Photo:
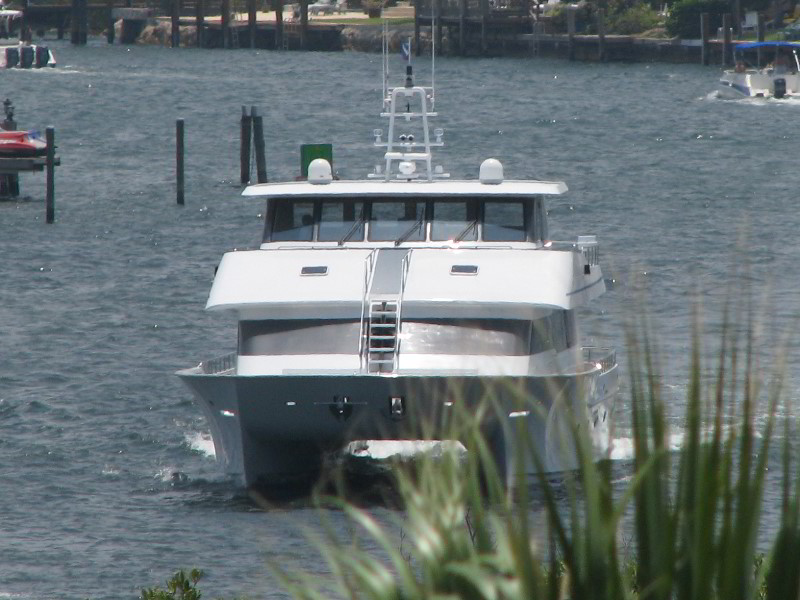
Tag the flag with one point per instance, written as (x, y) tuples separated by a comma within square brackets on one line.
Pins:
[(405, 50)]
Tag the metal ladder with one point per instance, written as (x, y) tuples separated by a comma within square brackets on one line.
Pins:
[(384, 322)]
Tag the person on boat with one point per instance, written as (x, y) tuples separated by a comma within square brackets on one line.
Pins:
[(740, 66)]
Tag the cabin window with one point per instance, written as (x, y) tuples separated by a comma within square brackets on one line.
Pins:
[(540, 232), (455, 221), (554, 332), (293, 222), (504, 221), (341, 222), (397, 221), (495, 337), (299, 336)]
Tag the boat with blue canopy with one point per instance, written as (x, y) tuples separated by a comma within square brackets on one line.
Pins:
[(762, 70)]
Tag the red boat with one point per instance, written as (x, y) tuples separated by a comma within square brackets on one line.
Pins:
[(21, 144)]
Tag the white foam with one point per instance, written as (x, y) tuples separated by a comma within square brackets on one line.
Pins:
[(404, 449), (622, 448), (201, 442)]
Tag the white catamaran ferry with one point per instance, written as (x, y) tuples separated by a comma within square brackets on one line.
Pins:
[(372, 306)]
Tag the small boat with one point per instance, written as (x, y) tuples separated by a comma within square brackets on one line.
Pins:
[(780, 78), (21, 144), (375, 308), (26, 56)]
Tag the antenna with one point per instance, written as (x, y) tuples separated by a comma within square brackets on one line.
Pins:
[(385, 51)]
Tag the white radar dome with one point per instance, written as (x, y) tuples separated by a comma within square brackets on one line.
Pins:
[(491, 171), (319, 171)]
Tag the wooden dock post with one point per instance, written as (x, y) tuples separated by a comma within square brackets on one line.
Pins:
[(175, 22), (278, 5), (258, 138), (226, 24), (760, 31), (571, 33), (727, 47), (417, 11), (179, 148), (80, 22), (737, 18), (303, 24), (462, 22), (484, 26), (110, 20), (251, 22), (244, 152), (704, 39), (200, 22), (50, 203), (601, 35)]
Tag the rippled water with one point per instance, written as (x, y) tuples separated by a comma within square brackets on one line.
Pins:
[(107, 482)]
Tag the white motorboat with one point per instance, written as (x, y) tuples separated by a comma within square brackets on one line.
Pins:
[(748, 79), (375, 307)]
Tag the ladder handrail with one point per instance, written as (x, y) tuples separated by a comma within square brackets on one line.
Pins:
[(369, 263)]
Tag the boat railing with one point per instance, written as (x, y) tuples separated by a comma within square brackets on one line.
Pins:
[(585, 244), (404, 277), (369, 263), (219, 365), (601, 358)]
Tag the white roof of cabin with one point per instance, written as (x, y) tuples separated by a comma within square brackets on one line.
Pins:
[(443, 187)]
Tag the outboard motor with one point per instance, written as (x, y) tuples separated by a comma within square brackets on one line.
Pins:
[(12, 57), (780, 88), (42, 56), (26, 56)]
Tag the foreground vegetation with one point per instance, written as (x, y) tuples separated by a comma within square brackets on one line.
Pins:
[(695, 512)]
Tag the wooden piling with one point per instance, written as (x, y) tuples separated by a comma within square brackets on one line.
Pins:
[(226, 24), (704, 49), (737, 18), (278, 5), (727, 52), (760, 32), (110, 20), (179, 149), (601, 35), (200, 22), (175, 22), (484, 26), (246, 141), (462, 23), (80, 22), (571, 33), (258, 138), (50, 202), (303, 24)]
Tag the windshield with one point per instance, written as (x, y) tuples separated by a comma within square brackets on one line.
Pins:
[(401, 221)]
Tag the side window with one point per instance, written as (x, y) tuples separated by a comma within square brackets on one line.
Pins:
[(293, 222), (392, 221), (503, 221), (341, 221), (540, 220), (454, 221)]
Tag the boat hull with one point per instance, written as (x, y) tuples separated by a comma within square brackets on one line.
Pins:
[(274, 429), (758, 84)]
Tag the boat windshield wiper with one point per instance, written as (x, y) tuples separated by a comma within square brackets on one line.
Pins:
[(358, 222), (417, 224), (460, 237)]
